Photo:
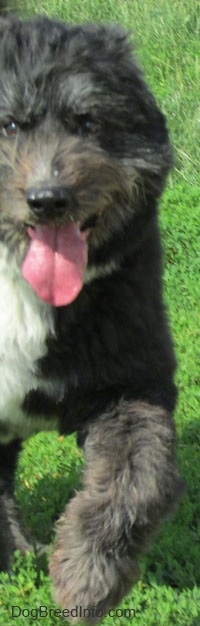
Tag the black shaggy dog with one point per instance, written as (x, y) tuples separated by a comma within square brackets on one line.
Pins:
[(85, 344)]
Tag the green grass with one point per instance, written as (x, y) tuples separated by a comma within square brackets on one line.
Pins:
[(167, 35)]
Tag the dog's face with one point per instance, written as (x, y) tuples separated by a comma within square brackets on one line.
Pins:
[(82, 141)]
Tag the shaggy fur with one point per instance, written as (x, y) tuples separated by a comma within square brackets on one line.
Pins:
[(79, 125)]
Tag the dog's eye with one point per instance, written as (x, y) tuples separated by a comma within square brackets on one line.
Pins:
[(9, 129), (86, 125)]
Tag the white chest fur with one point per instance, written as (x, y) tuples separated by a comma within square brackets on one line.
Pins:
[(25, 322)]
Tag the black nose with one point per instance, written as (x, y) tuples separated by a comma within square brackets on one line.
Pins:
[(48, 201)]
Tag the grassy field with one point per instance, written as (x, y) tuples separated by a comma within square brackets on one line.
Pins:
[(167, 40)]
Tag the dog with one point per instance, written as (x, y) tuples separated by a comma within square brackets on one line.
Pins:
[(85, 341)]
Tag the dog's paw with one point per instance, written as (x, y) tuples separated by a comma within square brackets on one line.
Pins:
[(88, 580)]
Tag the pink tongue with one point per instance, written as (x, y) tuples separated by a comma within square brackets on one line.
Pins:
[(56, 262)]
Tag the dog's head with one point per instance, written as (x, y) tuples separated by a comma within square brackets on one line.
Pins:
[(84, 148)]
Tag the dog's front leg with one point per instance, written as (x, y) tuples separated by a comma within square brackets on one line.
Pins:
[(130, 483)]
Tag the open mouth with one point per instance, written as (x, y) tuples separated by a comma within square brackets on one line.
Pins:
[(56, 260), (85, 226)]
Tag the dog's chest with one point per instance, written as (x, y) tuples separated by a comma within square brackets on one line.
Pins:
[(25, 323)]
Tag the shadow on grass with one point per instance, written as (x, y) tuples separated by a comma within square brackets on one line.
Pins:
[(43, 505)]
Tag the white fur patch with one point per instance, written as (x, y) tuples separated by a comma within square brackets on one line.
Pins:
[(94, 272), (25, 322)]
